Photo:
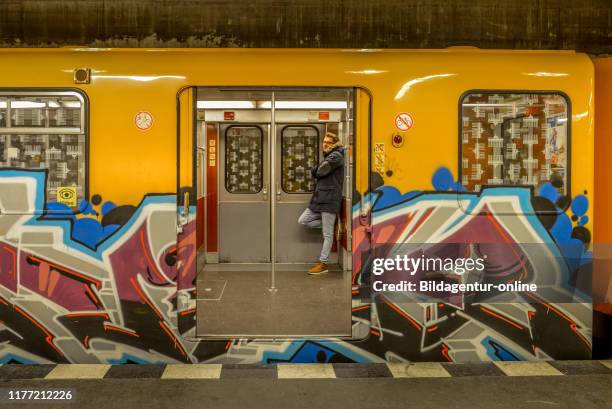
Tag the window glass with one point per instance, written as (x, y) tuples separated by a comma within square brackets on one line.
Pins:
[(243, 159), (514, 139), (46, 131), (299, 153), (62, 111), (3, 110)]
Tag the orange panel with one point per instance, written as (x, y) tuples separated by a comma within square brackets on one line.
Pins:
[(211, 191), (602, 278), (200, 222)]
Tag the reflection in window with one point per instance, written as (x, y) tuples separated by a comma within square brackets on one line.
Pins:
[(243, 159), (514, 139), (299, 152), (3, 112), (56, 143), (44, 111)]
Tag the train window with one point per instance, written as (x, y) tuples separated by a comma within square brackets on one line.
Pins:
[(243, 159), (3, 112), (46, 130), (299, 153), (511, 138)]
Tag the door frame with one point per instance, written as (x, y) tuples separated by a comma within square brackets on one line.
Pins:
[(186, 322)]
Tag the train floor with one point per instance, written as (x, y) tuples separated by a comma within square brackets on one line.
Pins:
[(237, 300)]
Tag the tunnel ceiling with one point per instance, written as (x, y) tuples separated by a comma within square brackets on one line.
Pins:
[(584, 25)]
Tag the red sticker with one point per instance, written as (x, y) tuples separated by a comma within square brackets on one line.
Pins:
[(403, 121), (228, 115)]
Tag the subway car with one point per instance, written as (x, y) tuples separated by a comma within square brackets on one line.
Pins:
[(149, 201)]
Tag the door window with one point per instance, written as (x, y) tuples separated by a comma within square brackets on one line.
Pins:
[(299, 153), (243, 159)]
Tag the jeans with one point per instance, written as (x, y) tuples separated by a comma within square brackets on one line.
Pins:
[(321, 220)]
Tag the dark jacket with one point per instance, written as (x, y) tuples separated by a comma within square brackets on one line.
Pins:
[(329, 174)]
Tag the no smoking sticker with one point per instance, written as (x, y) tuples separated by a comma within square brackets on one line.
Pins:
[(143, 120), (404, 121)]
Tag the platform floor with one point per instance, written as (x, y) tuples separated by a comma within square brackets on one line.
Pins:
[(236, 300), (511, 385)]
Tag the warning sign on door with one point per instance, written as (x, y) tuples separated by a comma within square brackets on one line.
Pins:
[(404, 121)]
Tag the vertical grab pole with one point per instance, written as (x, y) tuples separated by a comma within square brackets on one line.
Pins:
[(272, 161)]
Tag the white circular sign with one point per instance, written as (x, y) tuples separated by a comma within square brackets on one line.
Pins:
[(143, 120), (403, 121)]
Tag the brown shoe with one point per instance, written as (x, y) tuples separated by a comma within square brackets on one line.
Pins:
[(318, 268)]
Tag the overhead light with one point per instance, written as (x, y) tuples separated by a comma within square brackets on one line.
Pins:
[(226, 104), (306, 104), (71, 104), (27, 104), (310, 104), (2, 104), (268, 104)]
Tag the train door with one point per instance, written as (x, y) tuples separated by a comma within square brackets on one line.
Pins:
[(244, 202), (298, 149), (258, 146), (186, 215)]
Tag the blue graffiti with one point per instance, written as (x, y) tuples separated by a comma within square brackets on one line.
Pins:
[(499, 352), (12, 359), (56, 210), (107, 207), (85, 207), (391, 196), (580, 205), (442, 179), (86, 230), (548, 191)]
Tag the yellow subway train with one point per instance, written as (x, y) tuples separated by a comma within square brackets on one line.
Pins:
[(149, 205)]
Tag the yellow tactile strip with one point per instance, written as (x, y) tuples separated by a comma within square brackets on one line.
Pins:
[(305, 371)]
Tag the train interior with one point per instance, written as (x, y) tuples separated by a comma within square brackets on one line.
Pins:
[(255, 148)]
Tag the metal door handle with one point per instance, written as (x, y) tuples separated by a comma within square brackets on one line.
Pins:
[(278, 190), (186, 204), (362, 207), (265, 192)]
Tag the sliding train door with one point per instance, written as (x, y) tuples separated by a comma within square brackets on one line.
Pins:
[(298, 149), (244, 203), (186, 247)]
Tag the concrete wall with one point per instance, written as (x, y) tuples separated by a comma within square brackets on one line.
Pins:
[(584, 25)]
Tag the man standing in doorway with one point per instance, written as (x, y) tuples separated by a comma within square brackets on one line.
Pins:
[(327, 197)]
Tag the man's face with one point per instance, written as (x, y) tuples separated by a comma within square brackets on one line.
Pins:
[(327, 144)]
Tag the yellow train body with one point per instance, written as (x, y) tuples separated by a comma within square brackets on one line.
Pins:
[(127, 165), (426, 83)]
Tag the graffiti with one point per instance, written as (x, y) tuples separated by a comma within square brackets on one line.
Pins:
[(69, 298), (109, 283), (466, 330)]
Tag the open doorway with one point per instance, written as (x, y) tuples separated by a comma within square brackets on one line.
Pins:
[(255, 149)]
